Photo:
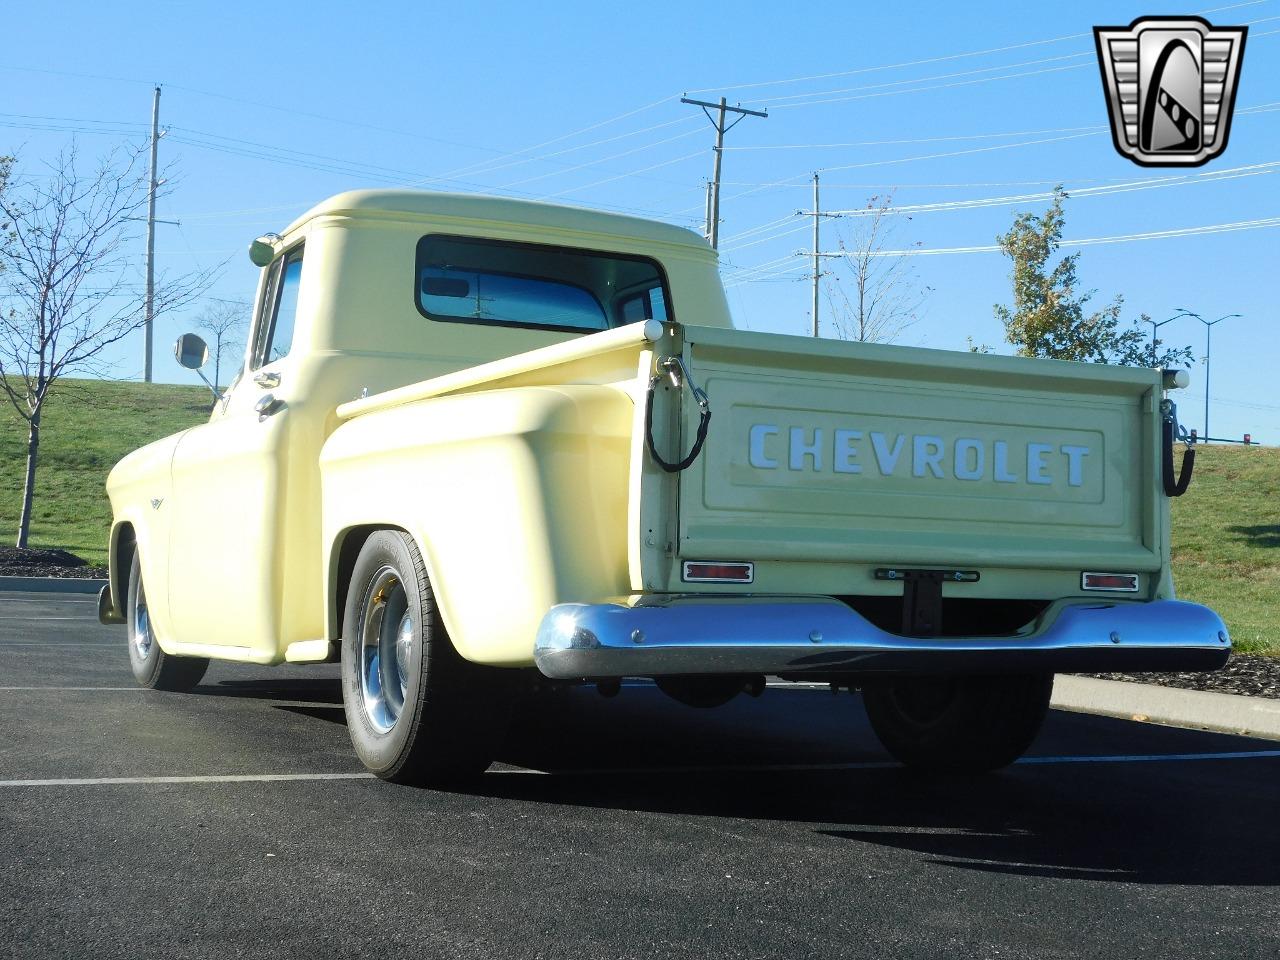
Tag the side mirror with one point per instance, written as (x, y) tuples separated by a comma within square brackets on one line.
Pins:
[(263, 250), (191, 351)]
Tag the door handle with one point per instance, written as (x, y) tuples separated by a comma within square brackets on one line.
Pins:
[(267, 379), (267, 405)]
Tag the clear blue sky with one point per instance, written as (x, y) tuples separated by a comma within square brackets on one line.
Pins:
[(272, 107)]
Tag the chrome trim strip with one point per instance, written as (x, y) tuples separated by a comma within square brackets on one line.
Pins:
[(685, 635)]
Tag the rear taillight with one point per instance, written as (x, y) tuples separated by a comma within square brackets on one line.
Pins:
[(718, 571), (1115, 582)]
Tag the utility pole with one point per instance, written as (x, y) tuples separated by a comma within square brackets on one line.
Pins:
[(816, 256), (707, 230), (817, 218), (718, 121), (149, 308)]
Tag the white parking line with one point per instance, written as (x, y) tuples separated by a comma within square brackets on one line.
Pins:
[(229, 778), (105, 644), (74, 688), (732, 768), (43, 600), (83, 619)]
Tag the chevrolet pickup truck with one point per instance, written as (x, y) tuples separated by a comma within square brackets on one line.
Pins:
[(479, 444)]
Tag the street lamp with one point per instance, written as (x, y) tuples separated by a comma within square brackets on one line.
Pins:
[(1157, 324), (1208, 335)]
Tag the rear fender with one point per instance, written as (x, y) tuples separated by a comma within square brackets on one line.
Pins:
[(518, 501)]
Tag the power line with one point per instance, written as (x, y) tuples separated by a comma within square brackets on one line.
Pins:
[(776, 102), (1257, 169), (936, 86), (902, 141), (939, 59), (634, 173), (592, 163), (1259, 224)]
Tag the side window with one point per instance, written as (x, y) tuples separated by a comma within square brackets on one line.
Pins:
[(280, 310), (645, 305)]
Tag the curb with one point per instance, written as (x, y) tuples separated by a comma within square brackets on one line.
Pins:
[(1171, 706), (51, 585)]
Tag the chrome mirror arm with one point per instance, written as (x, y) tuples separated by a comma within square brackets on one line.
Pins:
[(218, 395)]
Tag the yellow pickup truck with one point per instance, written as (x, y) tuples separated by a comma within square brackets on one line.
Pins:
[(480, 444)]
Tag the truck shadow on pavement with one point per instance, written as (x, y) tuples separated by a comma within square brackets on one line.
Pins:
[(1200, 822)]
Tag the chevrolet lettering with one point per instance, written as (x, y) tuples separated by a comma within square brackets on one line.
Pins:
[(915, 455), (480, 448)]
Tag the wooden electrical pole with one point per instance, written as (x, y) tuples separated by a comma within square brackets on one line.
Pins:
[(718, 121), (816, 256), (149, 306), (817, 271)]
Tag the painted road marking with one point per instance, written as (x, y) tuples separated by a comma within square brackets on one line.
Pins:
[(224, 778), (744, 768), (4, 600), (228, 778), (75, 688), (44, 618), (105, 644)]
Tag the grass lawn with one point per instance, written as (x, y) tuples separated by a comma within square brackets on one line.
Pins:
[(1226, 542), (1226, 530), (88, 426)]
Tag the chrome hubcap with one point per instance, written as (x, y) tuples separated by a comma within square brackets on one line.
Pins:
[(141, 625), (386, 649)]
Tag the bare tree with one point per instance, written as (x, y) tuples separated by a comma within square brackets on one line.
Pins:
[(874, 293), (225, 322), (69, 288)]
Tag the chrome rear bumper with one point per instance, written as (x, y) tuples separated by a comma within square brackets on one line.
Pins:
[(684, 635)]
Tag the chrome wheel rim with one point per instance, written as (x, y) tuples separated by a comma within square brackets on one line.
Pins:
[(386, 649), (141, 624)]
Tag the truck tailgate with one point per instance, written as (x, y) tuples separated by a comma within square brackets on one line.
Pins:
[(832, 451)]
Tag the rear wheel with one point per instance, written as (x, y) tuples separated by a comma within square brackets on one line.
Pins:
[(417, 712), (152, 667), (958, 724)]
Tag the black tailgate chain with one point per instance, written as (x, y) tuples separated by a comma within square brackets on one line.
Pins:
[(1174, 487), (674, 368)]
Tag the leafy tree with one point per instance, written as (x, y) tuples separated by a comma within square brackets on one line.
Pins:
[(1049, 316), (68, 289)]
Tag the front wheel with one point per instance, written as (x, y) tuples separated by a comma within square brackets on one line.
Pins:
[(152, 667), (958, 724), (418, 713)]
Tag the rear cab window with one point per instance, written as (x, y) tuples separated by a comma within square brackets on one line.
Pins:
[(502, 283)]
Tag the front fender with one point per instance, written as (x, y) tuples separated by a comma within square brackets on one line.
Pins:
[(139, 487)]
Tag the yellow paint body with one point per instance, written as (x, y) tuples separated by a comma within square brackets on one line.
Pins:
[(515, 457)]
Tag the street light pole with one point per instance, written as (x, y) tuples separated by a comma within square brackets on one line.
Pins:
[(1157, 324), (1208, 343)]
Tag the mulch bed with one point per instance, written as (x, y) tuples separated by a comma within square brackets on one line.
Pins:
[(1245, 674), (15, 562)]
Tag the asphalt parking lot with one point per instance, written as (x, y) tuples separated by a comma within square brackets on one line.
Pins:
[(236, 821)]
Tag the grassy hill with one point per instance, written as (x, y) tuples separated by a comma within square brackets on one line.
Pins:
[(1226, 530), (88, 426)]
